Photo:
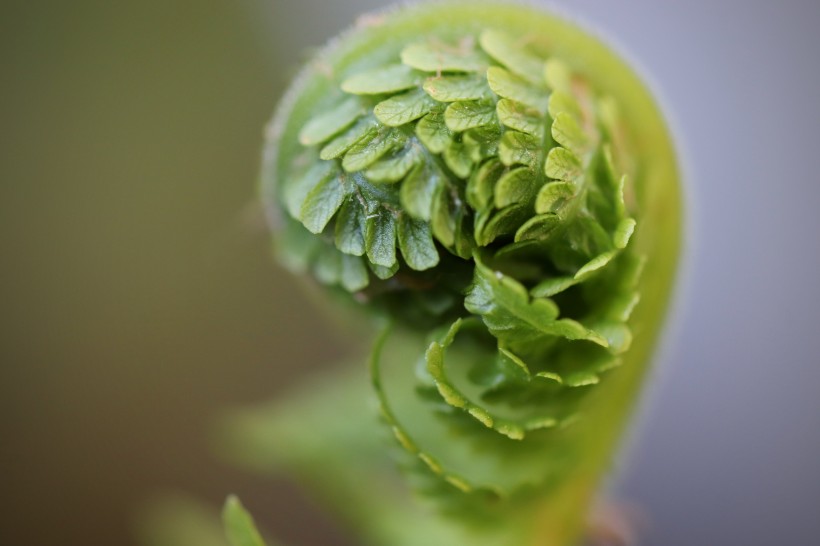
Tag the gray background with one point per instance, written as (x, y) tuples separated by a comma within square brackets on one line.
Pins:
[(138, 297)]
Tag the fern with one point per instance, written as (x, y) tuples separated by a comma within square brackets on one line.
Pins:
[(239, 525), (500, 191)]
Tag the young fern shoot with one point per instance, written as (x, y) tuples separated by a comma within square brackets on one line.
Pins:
[(500, 190)]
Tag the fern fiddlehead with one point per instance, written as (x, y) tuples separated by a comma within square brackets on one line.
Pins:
[(502, 188)]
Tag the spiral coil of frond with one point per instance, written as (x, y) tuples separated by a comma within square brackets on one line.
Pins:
[(475, 187)]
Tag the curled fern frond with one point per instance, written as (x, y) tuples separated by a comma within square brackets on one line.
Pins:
[(500, 187)]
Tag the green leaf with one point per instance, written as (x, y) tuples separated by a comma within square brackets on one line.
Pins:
[(481, 142), (585, 238), (508, 85), (443, 217), (538, 227), (465, 244), (562, 164), (239, 525), (367, 150), (504, 222), (350, 227), (383, 272), (513, 317), (516, 186), (553, 196), (463, 452), (380, 237), (568, 133), (620, 205), (455, 365), (595, 265), (296, 189), (322, 203), (404, 108), (395, 167), (479, 190), (580, 365), (417, 191), (460, 116), (505, 307), (353, 273), (558, 76), (513, 251), (553, 285), (458, 159), (457, 88), (563, 102), (509, 51), (511, 369), (364, 129), (617, 334), (386, 79), (448, 222), (327, 124), (438, 56), (432, 131), (520, 117), (518, 148), (623, 233), (327, 267), (416, 243)]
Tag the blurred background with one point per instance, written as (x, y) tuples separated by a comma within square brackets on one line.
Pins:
[(139, 298)]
